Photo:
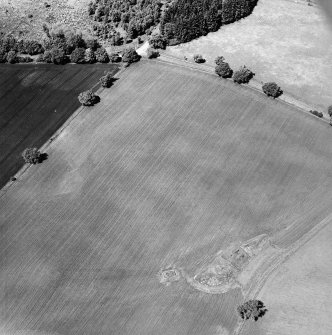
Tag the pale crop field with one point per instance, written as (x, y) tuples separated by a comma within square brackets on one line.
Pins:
[(298, 295), (284, 41), (170, 167)]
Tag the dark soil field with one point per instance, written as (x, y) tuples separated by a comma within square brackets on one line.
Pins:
[(171, 166), (35, 100)]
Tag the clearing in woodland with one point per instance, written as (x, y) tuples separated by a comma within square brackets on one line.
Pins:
[(141, 192)]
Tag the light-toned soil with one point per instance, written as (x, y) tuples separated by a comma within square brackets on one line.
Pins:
[(170, 167), (282, 41), (298, 295)]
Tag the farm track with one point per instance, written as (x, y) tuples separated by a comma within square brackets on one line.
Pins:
[(253, 84), (271, 265), (159, 178)]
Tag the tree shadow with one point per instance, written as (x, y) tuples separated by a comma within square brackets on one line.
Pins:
[(114, 80), (43, 157), (280, 92), (261, 313), (261, 310), (111, 83), (96, 99)]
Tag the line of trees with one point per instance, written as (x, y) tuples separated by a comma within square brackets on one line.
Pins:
[(58, 47), (244, 75)]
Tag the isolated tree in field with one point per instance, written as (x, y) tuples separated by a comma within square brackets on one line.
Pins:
[(272, 90), (130, 56), (87, 98), (12, 57), (107, 80), (224, 70), (152, 53), (89, 56), (158, 42), (78, 56), (32, 155), (102, 55), (252, 309), (199, 59), (243, 75), (219, 60)]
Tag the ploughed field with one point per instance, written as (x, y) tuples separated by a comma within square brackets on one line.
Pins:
[(169, 168), (35, 100)]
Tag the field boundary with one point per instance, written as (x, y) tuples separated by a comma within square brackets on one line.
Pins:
[(73, 116), (279, 260), (253, 84)]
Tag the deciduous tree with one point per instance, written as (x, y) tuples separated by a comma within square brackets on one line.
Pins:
[(272, 90), (252, 309)]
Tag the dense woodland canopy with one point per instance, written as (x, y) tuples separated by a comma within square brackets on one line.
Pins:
[(181, 20), (134, 16), (188, 19)]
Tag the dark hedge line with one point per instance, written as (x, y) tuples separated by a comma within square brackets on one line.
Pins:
[(186, 20)]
